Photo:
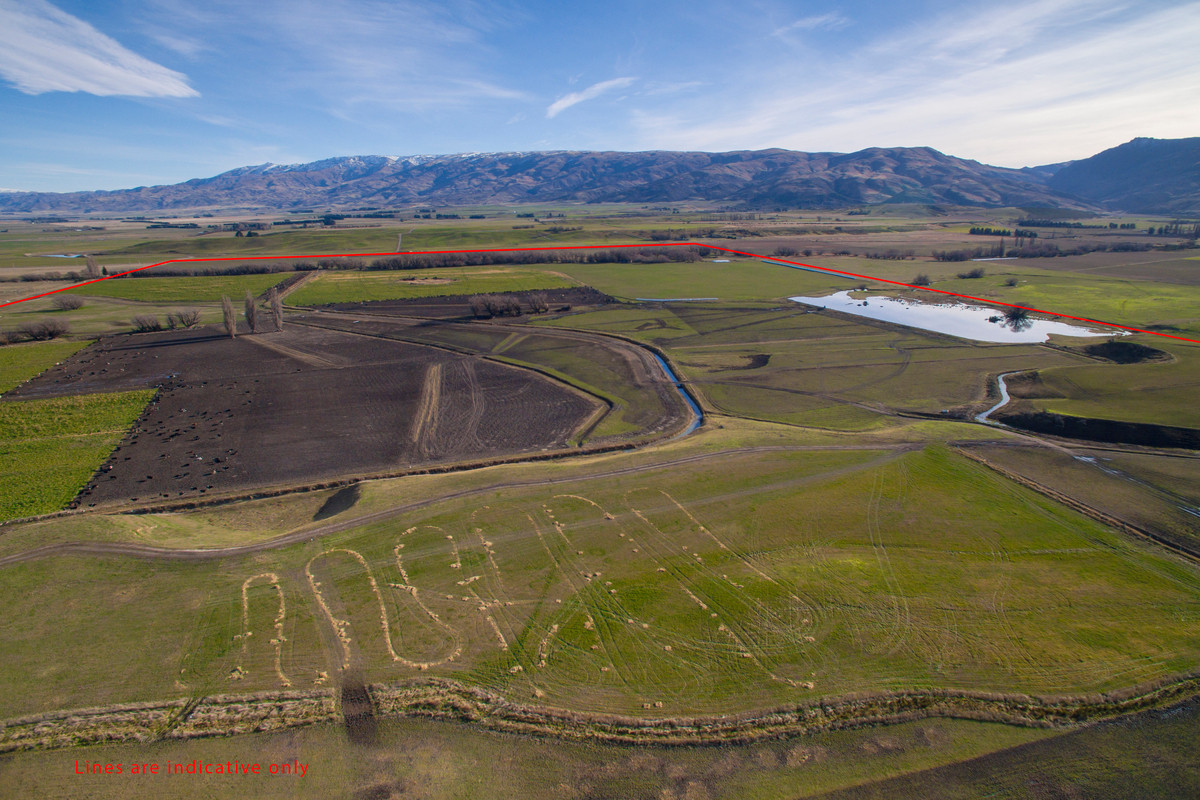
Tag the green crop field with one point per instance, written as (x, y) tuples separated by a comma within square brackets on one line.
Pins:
[(20, 362), (358, 287), (50, 448), (183, 289)]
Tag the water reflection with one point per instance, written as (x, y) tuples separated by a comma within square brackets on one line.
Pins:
[(980, 323)]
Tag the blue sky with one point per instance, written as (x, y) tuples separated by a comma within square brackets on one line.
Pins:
[(109, 94)]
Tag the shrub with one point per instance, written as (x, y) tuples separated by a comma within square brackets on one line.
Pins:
[(978, 272), (538, 303), (144, 323), (921, 280), (67, 302), (1011, 282), (43, 330), (183, 318)]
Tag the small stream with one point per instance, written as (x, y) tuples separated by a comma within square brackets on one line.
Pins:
[(1092, 460), (1004, 398)]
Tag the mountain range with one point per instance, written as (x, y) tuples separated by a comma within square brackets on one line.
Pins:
[(1145, 175)]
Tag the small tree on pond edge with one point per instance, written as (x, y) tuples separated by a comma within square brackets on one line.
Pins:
[(251, 312), (229, 317), (276, 307)]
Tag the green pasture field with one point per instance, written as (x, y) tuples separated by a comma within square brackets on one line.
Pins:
[(1162, 393), (417, 235), (183, 289), (1178, 474), (1142, 756), (1135, 303), (740, 280), (1170, 267), (20, 362), (344, 286), (50, 448), (1153, 501), (817, 366), (258, 520), (100, 316), (438, 760), (889, 570)]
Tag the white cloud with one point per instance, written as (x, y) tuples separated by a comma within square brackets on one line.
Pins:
[(43, 49), (1032, 83), (832, 21), (595, 90)]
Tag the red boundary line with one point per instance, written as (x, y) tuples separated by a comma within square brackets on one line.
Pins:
[(609, 247)]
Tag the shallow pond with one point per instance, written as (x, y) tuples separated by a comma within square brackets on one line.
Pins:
[(981, 323)]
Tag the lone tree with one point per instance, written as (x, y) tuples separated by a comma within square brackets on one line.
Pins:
[(92, 270), (251, 311), (230, 318), (276, 307)]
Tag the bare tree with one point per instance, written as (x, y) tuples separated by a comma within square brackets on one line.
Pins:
[(67, 302), (143, 323), (251, 312), (184, 318), (276, 307), (230, 318), (93, 269), (538, 303)]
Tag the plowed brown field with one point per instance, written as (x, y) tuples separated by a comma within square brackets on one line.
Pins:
[(303, 405)]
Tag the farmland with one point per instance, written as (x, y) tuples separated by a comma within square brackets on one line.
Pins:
[(397, 524), (183, 289), (359, 287), (49, 448)]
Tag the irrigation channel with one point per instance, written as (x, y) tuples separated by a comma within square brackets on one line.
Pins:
[(697, 414)]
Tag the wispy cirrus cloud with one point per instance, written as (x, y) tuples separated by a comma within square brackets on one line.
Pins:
[(831, 21), (1083, 75), (44, 49), (595, 90)]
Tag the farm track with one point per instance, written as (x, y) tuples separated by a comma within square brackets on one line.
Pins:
[(425, 421), (310, 359), (151, 552)]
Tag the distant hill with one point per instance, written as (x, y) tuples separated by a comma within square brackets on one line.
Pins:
[(1152, 175), (750, 179)]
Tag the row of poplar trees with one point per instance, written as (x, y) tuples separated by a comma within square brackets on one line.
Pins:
[(254, 320)]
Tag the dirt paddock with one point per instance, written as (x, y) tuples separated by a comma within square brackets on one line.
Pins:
[(265, 410)]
